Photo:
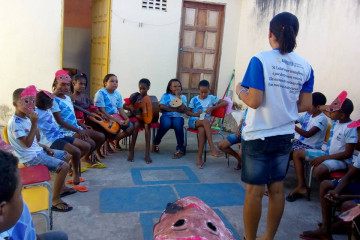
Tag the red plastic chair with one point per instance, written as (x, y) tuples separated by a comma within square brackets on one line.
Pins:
[(34, 174), (217, 113)]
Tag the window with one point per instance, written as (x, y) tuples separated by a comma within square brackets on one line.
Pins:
[(160, 5)]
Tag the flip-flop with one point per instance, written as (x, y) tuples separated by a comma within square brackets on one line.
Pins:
[(96, 165), (81, 188), (71, 181), (55, 207), (178, 154), (293, 197), (83, 169), (68, 192), (201, 166)]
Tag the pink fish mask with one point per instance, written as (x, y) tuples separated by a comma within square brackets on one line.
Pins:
[(337, 103), (190, 218), (27, 99)]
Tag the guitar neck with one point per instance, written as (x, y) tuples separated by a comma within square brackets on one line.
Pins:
[(84, 111)]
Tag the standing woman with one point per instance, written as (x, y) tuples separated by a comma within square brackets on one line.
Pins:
[(276, 86)]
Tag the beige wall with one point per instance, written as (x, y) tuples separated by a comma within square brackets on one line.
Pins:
[(329, 39), (30, 43), (152, 51)]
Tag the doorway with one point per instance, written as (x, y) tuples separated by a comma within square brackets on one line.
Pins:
[(200, 44)]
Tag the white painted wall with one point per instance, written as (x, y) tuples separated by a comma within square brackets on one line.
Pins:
[(152, 51), (328, 38), (77, 48), (30, 44)]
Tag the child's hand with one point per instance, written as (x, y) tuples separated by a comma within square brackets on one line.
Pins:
[(178, 93), (49, 151), (209, 110), (88, 127), (198, 113), (333, 197), (238, 134), (34, 118), (317, 161), (83, 135)]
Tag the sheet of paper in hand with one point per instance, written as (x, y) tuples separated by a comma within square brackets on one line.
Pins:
[(351, 214)]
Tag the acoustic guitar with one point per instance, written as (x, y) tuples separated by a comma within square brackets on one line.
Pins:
[(111, 126), (147, 109)]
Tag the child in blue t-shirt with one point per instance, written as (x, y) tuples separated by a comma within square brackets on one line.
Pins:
[(63, 111), (15, 218), (110, 103), (199, 110), (312, 134), (234, 138), (172, 117), (53, 137)]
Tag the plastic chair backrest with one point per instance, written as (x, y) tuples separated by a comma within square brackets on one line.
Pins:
[(327, 135), (6, 139), (36, 198), (219, 112), (34, 174)]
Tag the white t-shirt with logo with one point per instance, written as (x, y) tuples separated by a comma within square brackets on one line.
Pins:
[(340, 136), (281, 78), (308, 122)]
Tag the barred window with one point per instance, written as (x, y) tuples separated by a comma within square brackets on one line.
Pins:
[(160, 5)]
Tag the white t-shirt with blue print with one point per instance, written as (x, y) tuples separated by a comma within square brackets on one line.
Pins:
[(281, 78), (356, 161), (111, 102), (166, 99), (66, 109), (340, 135), (197, 104), (307, 122), (48, 127), (23, 229), (20, 127)]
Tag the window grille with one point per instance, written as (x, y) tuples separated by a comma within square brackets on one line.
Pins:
[(160, 5)]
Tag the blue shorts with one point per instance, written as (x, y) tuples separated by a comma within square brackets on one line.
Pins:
[(332, 164), (233, 139), (126, 127), (52, 163), (192, 122), (297, 145), (265, 161), (61, 142), (351, 189)]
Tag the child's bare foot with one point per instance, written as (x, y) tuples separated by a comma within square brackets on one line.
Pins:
[(131, 157), (148, 160), (215, 153), (76, 179)]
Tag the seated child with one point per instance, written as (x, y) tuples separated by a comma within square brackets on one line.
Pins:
[(144, 86), (63, 111), (344, 193), (199, 110), (172, 117), (81, 99), (15, 218), (312, 135), (53, 137), (110, 103), (225, 144), (341, 144), (23, 135)]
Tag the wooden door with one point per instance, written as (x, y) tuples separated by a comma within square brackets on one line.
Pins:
[(100, 33), (200, 44)]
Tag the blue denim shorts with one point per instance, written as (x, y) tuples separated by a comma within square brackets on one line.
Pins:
[(233, 139), (192, 122), (61, 142), (265, 161), (52, 163)]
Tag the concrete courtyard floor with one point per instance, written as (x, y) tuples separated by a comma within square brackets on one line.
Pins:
[(127, 198)]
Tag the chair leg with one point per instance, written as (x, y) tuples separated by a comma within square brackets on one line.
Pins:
[(205, 150), (228, 158), (185, 139), (310, 181)]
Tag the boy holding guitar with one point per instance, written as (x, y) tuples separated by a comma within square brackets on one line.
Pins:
[(141, 107)]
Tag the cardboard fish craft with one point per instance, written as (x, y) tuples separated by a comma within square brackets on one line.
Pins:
[(176, 102), (189, 218), (337, 103)]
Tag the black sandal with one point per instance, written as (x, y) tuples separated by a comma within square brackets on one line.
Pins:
[(156, 148)]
